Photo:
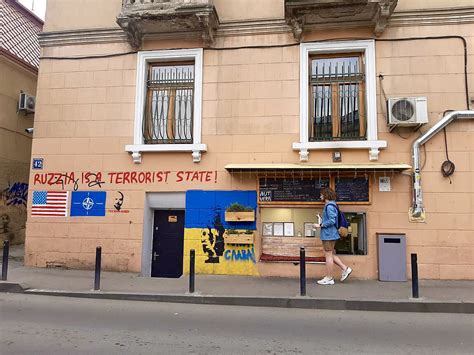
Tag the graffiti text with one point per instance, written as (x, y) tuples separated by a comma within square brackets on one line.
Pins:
[(240, 255)]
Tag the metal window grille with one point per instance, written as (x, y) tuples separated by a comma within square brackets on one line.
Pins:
[(337, 99), (170, 104)]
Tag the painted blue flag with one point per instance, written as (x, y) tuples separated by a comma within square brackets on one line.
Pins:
[(88, 204)]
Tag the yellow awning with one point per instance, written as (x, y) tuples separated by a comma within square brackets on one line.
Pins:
[(321, 167)]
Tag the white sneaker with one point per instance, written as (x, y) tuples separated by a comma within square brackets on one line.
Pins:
[(346, 273), (326, 281)]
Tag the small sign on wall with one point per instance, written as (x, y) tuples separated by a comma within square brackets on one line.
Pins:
[(37, 164), (384, 184)]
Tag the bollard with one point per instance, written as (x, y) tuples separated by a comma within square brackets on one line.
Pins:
[(192, 260), (6, 250), (98, 261), (302, 272), (414, 276)]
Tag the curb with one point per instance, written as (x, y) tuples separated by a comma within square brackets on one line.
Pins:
[(12, 287), (280, 302)]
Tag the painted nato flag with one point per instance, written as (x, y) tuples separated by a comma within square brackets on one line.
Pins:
[(88, 204)]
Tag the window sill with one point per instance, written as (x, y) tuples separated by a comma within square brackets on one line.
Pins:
[(138, 149), (374, 147)]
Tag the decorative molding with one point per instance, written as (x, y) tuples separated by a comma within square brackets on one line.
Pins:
[(196, 156), (136, 156), (89, 36), (307, 15), (374, 154), (433, 17), (145, 57), (304, 154), (424, 17), (373, 147), (254, 27), (383, 14), (364, 46), (137, 150), (140, 19)]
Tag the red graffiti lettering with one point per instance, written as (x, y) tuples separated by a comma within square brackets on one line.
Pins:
[(133, 177), (111, 177), (37, 179), (148, 177), (126, 177), (119, 179), (159, 176)]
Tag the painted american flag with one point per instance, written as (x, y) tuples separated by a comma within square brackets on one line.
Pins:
[(49, 203)]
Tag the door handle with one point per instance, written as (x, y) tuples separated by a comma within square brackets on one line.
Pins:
[(155, 255)]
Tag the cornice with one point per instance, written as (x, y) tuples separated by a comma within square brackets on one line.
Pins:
[(433, 17), (88, 36), (254, 27)]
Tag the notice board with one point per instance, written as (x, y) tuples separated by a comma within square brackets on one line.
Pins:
[(291, 190), (350, 189)]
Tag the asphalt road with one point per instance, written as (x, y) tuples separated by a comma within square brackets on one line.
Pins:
[(55, 325)]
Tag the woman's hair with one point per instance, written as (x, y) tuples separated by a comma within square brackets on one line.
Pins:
[(328, 194)]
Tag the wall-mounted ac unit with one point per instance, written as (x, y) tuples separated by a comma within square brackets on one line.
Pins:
[(407, 111), (26, 103)]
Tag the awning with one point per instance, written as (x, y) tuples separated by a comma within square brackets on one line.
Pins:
[(316, 167)]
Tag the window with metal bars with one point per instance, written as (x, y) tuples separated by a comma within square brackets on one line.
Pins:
[(337, 98), (169, 104)]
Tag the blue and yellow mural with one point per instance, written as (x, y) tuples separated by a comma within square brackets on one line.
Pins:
[(206, 232)]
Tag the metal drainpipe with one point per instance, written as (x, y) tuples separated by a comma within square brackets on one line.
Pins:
[(417, 209)]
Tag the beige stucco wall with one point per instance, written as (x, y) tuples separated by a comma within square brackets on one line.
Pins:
[(248, 9), (15, 147), (71, 14), (87, 14), (85, 118)]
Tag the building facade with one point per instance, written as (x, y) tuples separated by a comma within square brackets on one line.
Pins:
[(166, 126), (19, 61)]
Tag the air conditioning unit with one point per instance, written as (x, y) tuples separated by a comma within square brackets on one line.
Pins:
[(26, 103), (407, 111)]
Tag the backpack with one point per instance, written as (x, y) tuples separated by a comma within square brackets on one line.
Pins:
[(342, 225)]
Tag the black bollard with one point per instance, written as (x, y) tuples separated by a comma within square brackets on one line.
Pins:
[(98, 261), (414, 276), (6, 251), (192, 260), (302, 272)]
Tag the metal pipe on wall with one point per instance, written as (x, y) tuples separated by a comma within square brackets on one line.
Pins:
[(417, 209)]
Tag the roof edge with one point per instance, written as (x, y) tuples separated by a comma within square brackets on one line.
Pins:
[(13, 58)]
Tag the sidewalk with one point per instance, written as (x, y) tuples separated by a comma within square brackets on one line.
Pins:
[(450, 296)]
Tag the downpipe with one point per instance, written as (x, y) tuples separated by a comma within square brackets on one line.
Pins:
[(417, 208)]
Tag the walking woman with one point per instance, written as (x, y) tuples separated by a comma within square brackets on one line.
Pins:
[(329, 235)]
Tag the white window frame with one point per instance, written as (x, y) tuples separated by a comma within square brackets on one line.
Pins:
[(144, 58), (367, 47)]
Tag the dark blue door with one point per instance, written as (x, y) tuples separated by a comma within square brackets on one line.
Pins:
[(168, 241)]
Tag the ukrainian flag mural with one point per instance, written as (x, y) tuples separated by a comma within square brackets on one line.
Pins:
[(207, 232)]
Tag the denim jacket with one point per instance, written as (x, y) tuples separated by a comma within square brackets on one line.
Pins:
[(329, 222)]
